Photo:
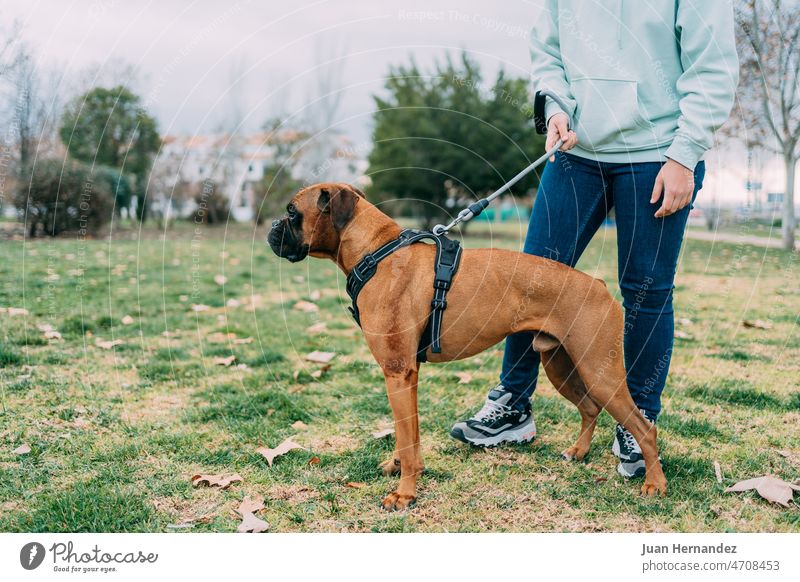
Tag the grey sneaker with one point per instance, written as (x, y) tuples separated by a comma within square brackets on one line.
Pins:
[(625, 447), (497, 422)]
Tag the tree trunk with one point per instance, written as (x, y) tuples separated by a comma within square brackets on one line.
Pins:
[(788, 204)]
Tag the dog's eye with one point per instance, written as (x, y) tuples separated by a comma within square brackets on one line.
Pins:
[(291, 210)]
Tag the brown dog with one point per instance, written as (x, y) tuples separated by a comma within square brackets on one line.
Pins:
[(577, 323)]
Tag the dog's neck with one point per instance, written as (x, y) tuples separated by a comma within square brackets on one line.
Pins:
[(367, 231)]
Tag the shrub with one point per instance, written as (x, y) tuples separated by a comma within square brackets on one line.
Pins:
[(212, 205), (62, 196)]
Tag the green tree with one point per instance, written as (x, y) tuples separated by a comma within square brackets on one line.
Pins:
[(445, 137), (110, 127)]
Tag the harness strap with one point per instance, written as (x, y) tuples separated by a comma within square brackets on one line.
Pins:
[(448, 257)]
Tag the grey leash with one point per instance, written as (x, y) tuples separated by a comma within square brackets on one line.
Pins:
[(476, 208)]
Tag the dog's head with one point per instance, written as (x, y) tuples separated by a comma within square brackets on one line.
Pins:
[(315, 218)]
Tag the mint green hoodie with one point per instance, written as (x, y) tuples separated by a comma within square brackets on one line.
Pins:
[(644, 79)]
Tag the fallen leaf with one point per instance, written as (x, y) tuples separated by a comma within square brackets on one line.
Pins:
[(298, 425), (757, 324), (379, 434), (320, 357), (281, 449), (769, 487), (220, 279), (198, 307), (315, 295), (355, 484), (313, 461), (318, 327), (127, 320), (52, 334), (107, 345), (306, 306), (251, 523), (221, 481), (464, 377), (600, 479), (22, 450), (220, 361), (718, 471)]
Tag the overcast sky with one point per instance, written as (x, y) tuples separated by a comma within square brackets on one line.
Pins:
[(190, 54), (201, 62)]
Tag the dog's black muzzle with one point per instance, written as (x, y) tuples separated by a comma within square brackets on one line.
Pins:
[(285, 243)]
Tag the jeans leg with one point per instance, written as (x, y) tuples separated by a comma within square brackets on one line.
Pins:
[(648, 250), (570, 206)]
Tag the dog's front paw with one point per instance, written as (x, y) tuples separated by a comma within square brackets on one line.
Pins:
[(390, 467), (651, 488), (397, 502)]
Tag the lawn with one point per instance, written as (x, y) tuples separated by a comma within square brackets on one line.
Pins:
[(116, 434)]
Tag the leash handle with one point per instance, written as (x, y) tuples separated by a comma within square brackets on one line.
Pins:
[(476, 208), (539, 102)]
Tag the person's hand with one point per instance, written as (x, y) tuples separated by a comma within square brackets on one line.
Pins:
[(676, 182), (558, 128)]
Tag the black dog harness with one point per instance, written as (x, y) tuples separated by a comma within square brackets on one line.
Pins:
[(448, 256)]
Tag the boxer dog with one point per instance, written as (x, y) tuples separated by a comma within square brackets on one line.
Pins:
[(577, 324)]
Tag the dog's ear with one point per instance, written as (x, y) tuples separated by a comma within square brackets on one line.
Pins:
[(339, 202)]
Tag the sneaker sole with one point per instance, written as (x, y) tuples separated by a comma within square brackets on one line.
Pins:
[(631, 470), (521, 435)]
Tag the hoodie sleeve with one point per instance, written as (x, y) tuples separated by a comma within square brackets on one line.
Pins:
[(547, 71), (707, 85)]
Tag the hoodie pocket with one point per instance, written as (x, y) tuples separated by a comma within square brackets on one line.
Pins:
[(609, 115)]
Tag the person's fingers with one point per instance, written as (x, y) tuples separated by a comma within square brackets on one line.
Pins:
[(552, 138), (570, 142), (562, 127), (657, 189), (666, 202)]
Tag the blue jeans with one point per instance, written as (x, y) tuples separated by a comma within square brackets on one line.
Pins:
[(574, 197)]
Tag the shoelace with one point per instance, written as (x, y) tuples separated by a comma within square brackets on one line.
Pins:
[(629, 441), (491, 410)]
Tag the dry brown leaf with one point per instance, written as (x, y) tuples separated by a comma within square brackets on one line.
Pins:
[(320, 357), (757, 324), (770, 487), (298, 425), (221, 481), (355, 484), (107, 345), (379, 434), (319, 327), (220, 361), (250, 523), (306, 306), (281, 449), (313, 461), (14, 310), (22, 450), (464, 377)]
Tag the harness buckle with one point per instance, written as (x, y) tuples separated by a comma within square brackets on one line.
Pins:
[(441, 284), (439, 304), (365, 266)]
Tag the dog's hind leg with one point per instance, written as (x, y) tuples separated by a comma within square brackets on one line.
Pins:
[(562, 373), (608, 388)]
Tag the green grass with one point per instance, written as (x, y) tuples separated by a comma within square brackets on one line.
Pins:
[(117, 434)]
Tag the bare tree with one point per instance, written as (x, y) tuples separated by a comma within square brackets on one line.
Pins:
[(769, 94)]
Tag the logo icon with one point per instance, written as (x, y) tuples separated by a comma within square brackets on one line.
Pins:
[(31, 555)]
